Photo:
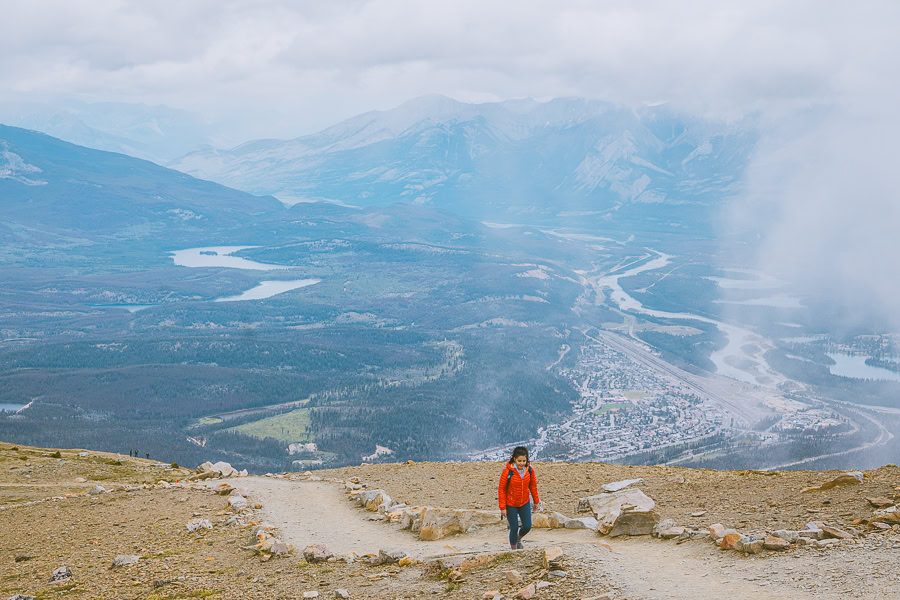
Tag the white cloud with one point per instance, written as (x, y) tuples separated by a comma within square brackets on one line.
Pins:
[(318, 62), (821, 76)]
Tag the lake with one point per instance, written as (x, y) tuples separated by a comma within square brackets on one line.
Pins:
[(220, 256), (6, 407), (854, 365), (267, 289)]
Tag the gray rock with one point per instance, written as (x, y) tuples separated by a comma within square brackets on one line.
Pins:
[(557, 573), (620, 485), (390, 556), (787, 535), (748, 545), (662, 525), (61, 574), (21, 597), (582, 523), (238, 502), (828, 542), (195, 524), (99, 489), (123, 560), (542, 584), (341, 593), (626, 512), (633, 523)]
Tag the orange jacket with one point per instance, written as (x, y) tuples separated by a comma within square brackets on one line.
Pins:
[(517, 493)]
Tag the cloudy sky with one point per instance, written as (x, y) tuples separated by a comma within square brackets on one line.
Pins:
[(823, 184), (290, 67)]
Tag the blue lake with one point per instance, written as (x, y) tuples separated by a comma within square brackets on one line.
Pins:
[(6, 407), (854, 365)]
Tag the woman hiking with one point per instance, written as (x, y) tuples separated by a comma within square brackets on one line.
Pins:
[(517, 482)]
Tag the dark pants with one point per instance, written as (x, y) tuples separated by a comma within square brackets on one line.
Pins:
[(513, 514)]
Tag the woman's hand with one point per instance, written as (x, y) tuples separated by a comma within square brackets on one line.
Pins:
[(503, 514)]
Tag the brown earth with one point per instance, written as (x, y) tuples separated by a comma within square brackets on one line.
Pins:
[(752, 501), (87, 531)]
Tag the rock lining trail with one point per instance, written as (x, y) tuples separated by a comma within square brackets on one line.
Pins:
[(638, 568)]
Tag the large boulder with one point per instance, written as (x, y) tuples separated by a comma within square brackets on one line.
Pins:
[(558, 520), (626, 512), (221, 468), (441, 522), (541, 521)]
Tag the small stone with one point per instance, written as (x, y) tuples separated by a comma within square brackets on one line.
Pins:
[(542, 584), (834, 532), (717, 531), (61, 574), (582, 523), (123, 560), (775, 543), (664, 524), (491, 595), (310, 594), (699, 513), (552, 556), (195, 524), (22, 597), (671, 533), (513, 576), (341, 593), (80, 480), (388, 557), (729, 540), (880, 502), (24, 557), (881, 526), (557, 573), (748, 545), (787, 535), (317, 553), (526, 592)]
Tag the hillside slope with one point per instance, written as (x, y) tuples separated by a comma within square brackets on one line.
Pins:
[(140, 511)]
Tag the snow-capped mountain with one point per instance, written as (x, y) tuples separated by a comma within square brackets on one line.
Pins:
[(519, 157)]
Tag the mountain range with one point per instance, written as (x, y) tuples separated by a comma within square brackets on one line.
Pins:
[(519, 159)]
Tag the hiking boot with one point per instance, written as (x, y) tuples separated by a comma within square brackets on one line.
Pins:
[(519, 546)]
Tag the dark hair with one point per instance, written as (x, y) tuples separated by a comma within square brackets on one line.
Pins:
[(519, 451)]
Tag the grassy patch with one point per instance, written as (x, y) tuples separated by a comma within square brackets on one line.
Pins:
[(194, 594), (605, 408), (287, 427), (206, 421)]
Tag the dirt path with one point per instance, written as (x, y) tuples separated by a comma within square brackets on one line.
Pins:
[(638, 568), (316, 512)]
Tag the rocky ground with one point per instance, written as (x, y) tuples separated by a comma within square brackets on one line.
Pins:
[(747, 500), (52, 515)]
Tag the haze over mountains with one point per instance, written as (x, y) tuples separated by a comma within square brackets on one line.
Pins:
[(555, 257), (518, 159)]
